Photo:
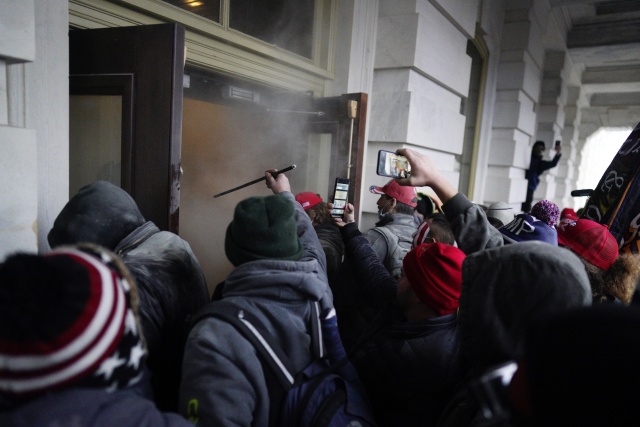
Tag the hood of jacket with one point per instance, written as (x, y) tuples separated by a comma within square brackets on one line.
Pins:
[(278, 280), (100, 213), (507, 289)]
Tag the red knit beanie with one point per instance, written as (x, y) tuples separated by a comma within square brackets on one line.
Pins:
[(434, 271)]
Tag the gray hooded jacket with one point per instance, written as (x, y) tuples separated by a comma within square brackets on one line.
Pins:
[(470, 225), (506, 291), (223, 383)]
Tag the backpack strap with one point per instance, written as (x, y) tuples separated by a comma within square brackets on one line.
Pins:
[(252, 329), (276, 366), (318, 349)]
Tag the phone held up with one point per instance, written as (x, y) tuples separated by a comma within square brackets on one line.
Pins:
[(340, 197), (558, 143), (393, 165)]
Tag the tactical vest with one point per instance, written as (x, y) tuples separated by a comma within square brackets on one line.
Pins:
[(399, 239)]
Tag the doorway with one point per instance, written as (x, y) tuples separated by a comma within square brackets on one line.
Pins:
[(125, 89), (472, 110), (235, 130)]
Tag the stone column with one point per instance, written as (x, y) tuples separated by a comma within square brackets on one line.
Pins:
[(551, 119), (567, 175), (18, 154), (421, 75), (518, 90), (48, 79)]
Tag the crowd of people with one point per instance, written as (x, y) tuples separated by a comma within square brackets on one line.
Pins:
[(452, 314)]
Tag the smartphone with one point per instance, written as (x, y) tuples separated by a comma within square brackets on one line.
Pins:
[(558, 143), (393, 165), (340, 197)]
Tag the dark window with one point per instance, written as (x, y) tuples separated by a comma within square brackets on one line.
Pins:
[(209, 9), (287, 24)]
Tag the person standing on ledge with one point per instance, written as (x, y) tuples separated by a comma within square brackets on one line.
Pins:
[(536, 167)]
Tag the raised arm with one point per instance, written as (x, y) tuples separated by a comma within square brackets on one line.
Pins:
[(307, 234), (549, 164), (469, 223), (424, 173)]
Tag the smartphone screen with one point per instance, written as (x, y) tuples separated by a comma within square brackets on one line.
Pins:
[(340, 197), (393, 165), (557, 144)]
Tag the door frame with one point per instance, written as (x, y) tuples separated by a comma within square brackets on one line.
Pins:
[(153, 57), (344, 128)]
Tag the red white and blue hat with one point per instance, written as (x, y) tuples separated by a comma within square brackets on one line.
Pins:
[(66, 318)]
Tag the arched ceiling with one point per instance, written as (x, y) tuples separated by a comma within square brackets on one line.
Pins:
[(604, 40)]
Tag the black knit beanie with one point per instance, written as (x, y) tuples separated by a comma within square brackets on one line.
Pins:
[(263, 228)]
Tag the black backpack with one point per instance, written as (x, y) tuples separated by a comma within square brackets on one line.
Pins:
[(327, 392)]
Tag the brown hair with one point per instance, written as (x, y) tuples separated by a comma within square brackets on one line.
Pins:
[(319, 214), (440, 230), (618, 281)]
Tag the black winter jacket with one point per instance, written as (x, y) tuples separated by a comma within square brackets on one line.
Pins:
[(331, 241), (410, 369), (506, 291), (171, 284)]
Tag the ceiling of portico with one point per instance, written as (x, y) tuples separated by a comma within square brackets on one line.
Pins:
[(603, 40)]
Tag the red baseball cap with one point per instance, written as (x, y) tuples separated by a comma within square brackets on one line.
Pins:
[(590, 240), (568, 213), (308, 199), (405, 194)]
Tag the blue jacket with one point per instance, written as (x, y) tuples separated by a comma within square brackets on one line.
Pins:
[(536, 167)]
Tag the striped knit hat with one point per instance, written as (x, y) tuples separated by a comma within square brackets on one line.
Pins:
[(421, 234), (67, 318)]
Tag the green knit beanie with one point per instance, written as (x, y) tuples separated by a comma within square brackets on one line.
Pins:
[(263, 228)]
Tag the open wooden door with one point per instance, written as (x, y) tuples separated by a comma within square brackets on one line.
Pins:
[(126, 114), (234, 130), (345, 118)]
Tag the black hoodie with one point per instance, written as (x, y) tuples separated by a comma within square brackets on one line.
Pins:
[(171, 284)]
